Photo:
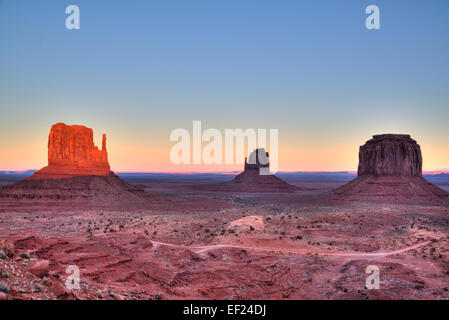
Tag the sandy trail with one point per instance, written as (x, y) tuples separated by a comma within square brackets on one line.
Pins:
[(205, 249)]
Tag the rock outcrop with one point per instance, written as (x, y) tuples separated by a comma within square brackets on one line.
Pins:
[(71, 153), (390, 169), (390, 155), (77, 174), (256, 177)]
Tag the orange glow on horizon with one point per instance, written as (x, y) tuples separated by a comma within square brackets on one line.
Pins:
[(128, 158), (126, 154)]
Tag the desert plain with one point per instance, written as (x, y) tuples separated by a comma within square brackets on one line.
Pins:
[(193, 244)]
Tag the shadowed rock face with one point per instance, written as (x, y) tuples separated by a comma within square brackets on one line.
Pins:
[(257, 159), (251, 179), (71, 152), (390, 169), (390, 155)]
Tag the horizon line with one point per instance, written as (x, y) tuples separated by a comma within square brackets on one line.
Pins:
[(438, 171)]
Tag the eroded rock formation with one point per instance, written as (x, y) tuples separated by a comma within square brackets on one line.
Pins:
[(390, 169), (257, 165), (71, 152), (77, 174), (257, 159), (390, 155), (256, 177)]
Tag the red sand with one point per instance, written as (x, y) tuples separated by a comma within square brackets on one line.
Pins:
[(217, 245)]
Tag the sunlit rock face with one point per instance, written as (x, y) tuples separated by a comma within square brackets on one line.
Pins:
[(390, 155), (77, 175), (71, 153)]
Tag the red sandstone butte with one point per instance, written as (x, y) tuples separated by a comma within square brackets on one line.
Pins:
[(390, 169), (77, 174), (71, 153), (390, 155), (252, 179)]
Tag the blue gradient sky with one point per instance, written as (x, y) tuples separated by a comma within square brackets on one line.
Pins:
[(138, 69)]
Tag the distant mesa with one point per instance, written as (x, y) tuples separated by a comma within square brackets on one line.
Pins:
[(390, 169), (71, 153), (77, 173), (256, 177)]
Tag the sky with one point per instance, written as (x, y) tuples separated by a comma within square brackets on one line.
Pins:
[(136, 70)]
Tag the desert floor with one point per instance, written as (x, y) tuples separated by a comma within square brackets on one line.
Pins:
[(191, 244)]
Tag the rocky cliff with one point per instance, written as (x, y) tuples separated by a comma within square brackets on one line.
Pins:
[(390, 155), (77, 175), (257, 159), (71, 152), (390, 169), (252, 179)]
